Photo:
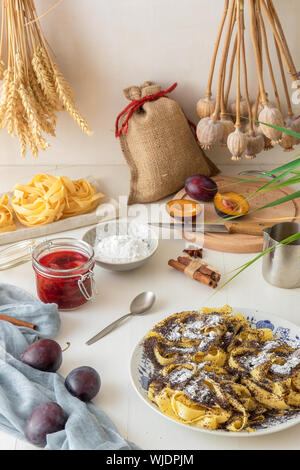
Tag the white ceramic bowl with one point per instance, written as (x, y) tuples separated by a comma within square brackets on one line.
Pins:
[(141, 369), (123, 226)]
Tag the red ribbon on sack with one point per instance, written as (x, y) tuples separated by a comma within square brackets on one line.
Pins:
[(135, 105)]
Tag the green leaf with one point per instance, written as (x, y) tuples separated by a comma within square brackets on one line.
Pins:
[(274, 180), (281, 171), (288, 197), (288, 182), (288, 166), (242, 268), (284, 170), (282, 129)]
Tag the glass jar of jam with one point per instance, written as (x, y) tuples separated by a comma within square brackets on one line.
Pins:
[(64, 269)]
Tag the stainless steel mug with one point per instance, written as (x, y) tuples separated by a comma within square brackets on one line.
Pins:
[(281, 266)]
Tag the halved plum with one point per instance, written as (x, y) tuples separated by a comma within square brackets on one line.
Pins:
[(231, 204), (184, 209)]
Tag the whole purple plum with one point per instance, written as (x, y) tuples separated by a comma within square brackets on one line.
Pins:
[(83, 383), (201, 188), (44, 355), (45, 419)]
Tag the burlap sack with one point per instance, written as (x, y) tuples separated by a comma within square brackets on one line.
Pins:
[(158, 145)]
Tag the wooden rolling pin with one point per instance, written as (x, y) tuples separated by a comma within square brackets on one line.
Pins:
[(17, 322)]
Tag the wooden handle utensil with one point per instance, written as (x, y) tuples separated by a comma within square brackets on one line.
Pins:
[(247, 228)]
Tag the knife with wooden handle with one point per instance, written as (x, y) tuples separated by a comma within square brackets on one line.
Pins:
[(245, 228)]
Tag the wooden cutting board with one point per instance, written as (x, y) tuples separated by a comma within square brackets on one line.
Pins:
[(236, 243)]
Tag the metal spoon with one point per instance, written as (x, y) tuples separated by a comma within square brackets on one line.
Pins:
[(141, 304)]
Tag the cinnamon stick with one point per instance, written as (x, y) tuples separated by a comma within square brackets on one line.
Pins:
[(198, 276), (17, 322), (203, 269)]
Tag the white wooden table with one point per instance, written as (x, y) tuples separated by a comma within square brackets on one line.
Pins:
[(175, 292)]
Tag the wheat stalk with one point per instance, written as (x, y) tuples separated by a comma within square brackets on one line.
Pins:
[(4, 97), (43, 103), (11, 107), (22, 132), (45, 81), (1, 69), (63, 91), (34, 89)]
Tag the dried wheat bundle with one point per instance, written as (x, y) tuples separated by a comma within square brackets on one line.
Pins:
[(34, 89), (218, 118)]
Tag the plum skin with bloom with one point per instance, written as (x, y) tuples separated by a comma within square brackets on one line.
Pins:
[(201, 188), (83, 383)]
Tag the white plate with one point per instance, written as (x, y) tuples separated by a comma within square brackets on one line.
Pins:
[(141, 369)]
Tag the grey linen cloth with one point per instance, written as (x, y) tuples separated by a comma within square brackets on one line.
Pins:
[(23, 388)]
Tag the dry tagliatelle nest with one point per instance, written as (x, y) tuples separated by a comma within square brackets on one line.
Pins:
[(46, 199), (34, 89), (7, 223)]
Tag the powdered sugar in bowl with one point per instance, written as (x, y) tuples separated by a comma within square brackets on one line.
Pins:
[(122, 245)]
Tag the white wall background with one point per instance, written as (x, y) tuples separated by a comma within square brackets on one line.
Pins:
[(103, 46)]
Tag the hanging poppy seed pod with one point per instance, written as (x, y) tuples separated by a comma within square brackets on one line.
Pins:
[(237, 143), (255, 145), (274, 117), (205, 107), (228, 129), (288, 120), (296, 127), (261, 106), (243, 108), (268, 144), (294, 124), (201, 123), (246, 128), (210, 133), (288, 141)]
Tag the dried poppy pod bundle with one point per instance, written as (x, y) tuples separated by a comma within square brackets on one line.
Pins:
[(267, 105), (274, 117), (255, 145), (205, 107), (237, 144), (210, 133)]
